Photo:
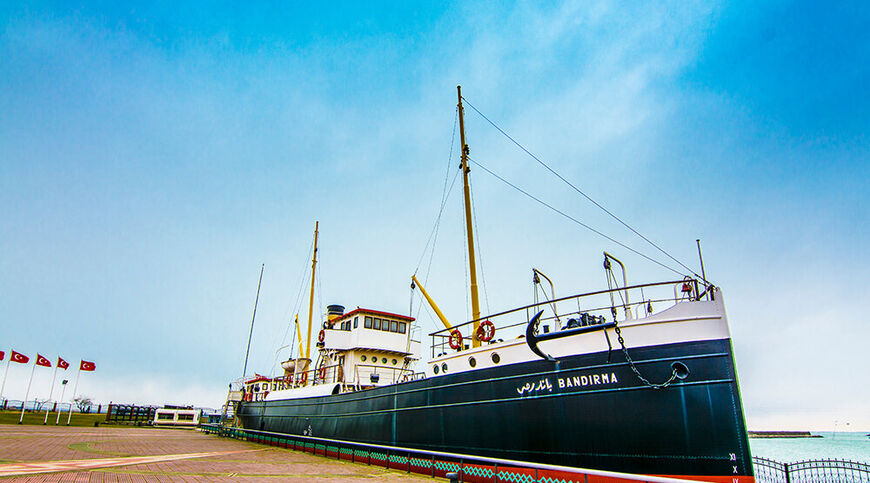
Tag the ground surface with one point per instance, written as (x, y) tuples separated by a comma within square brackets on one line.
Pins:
[(35, 453)]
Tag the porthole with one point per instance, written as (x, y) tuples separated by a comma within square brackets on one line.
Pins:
[(363, 358), (435, 369), (472, 361), (395, 362), (495, 358), (444, 367), (384, 360)]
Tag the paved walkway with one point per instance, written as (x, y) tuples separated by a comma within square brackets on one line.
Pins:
[(50, 454)]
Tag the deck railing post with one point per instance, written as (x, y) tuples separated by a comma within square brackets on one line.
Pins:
[(787, 477)]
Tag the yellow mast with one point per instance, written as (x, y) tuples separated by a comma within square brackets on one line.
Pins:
[(472, 266), (299, 336), (311, 297)]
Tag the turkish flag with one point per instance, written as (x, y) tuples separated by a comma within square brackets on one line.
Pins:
[(20, 358), (2, 355), (42, 361), (62, 363), (87, 366)]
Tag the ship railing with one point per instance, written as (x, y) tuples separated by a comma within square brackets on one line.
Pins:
[(327, 374), (438, 464), (587, 309), (367, 375)]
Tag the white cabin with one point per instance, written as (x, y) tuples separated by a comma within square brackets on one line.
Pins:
[(361, 349)]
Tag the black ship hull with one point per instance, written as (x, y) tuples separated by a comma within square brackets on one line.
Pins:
[(584, 411)]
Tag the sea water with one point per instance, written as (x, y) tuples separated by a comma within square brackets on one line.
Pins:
[(841, 446)]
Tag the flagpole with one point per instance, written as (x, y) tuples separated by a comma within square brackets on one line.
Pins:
[(6, 373), (75, 388), (50, 393), (26, 394), (62, 392)]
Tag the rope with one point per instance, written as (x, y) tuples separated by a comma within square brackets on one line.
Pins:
[(578, 190), (298, 301), (479, 247), (445, 194), (584, 225), (433, 234)]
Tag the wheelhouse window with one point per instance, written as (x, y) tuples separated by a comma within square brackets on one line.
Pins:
[(377, 325), (355, 322), (402, 327), (394, 326), (368, 323)]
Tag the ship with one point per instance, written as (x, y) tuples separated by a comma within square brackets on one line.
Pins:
[(633, 378)]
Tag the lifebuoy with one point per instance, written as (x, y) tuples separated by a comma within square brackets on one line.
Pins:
[(304, 378), (455, 339), (485, 331), (321, 336), (248, 396), (323, 373)]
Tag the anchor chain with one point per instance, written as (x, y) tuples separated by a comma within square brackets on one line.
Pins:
[(635, 369)]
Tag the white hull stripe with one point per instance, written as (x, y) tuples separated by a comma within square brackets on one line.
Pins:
[(15, 469)]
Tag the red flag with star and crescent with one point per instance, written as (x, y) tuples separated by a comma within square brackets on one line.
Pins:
[(19, 358), (2, 355), (87, 366), (62, 363), (42, 361)]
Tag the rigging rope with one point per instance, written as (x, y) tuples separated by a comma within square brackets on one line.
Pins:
[(298, 302), (445, 194), (479, 247), (433, 234), (584, 225), (578, 190)]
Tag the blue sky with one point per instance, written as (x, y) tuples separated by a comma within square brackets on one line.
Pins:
[(152, 156)]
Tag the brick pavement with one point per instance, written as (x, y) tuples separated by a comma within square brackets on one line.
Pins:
[(240, 462)]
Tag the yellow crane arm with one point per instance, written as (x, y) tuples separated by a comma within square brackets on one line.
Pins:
[(432, 303)]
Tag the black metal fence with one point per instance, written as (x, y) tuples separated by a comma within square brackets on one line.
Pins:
[(811, 471)]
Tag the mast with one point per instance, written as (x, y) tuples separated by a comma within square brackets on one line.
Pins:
[(311, 297), (251, 333), (472, 265)]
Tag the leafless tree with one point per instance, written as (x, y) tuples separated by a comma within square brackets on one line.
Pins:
[(83, 402)]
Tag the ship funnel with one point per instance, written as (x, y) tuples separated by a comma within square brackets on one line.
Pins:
[(333, 312)]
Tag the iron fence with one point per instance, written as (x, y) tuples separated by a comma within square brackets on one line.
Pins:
[(811, 471)]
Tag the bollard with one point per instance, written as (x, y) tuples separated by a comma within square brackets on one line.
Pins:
[(453, 477)]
